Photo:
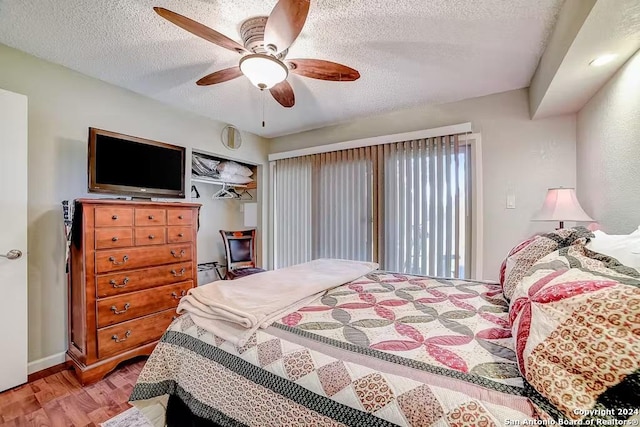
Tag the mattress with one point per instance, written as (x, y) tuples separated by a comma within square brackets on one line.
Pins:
[(385, 349)]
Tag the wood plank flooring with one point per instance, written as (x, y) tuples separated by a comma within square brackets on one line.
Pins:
[(58, 400)]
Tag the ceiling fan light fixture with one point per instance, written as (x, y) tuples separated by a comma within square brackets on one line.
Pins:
[(264, 71)]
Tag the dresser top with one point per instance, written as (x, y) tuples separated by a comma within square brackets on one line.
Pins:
[(137, 203)]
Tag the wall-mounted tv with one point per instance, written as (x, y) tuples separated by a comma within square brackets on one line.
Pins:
[(127, 165)]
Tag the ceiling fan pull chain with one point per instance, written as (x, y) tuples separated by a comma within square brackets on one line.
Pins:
[(262, 90)]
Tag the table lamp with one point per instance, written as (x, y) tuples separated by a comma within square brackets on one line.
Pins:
[(561, 204)]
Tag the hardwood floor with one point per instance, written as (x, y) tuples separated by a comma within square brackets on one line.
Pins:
[(58, 400)]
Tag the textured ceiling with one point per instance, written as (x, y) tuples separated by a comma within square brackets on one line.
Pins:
[(408, 52)]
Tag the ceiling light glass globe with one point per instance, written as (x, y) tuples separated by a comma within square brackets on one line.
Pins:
[(264, 71)]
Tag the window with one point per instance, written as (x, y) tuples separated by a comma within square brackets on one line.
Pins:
[(405, 205)]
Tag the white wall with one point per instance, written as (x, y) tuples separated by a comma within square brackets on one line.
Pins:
[(518, 154), (62, 105), (608, 151)]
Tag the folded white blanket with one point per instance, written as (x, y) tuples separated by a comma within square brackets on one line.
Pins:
[(234, 310)]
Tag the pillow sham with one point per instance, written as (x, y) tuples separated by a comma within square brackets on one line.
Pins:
[(523, 256), (625, 248), (509, 261), (575, 318)]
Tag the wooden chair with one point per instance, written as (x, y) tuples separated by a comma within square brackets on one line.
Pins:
[(240, 248)]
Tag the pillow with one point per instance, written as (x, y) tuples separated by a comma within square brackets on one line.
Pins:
[(575, 318), (234, 179), (624, 248), (527, 253), (233, 168)]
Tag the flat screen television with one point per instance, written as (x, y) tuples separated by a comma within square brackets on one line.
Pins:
[(127, 165)]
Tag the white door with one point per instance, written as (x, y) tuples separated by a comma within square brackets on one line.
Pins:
[(13, 239)]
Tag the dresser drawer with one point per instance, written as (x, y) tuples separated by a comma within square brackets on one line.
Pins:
[(123, 336), (178, 234), (129, 306), (180, 216), (113, 217), (108, 260), (137, 280), (150, 236), (150, 216), (114, 237)]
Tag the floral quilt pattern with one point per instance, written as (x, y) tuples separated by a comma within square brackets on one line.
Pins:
[(450, 324)]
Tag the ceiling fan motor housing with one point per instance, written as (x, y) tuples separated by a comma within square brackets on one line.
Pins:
[(252, 34)]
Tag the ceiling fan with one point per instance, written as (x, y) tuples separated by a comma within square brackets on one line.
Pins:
[(266, 41)]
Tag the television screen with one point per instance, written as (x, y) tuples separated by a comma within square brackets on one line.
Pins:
[(122, 164)]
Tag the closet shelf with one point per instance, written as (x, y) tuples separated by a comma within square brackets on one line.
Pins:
[(207, 180), (227, 191)]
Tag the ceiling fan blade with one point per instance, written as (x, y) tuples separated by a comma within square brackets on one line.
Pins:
[(220, 76), (323, 70), (199, 30), (285, 23), (283, 93)]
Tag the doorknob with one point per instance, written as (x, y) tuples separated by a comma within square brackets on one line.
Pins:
[(12, 254)]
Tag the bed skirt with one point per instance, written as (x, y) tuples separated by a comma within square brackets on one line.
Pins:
[(179, 415)]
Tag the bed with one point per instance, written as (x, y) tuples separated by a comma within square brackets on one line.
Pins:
[(383, 349)]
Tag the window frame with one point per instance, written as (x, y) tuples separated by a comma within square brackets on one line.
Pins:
[(474, 140)]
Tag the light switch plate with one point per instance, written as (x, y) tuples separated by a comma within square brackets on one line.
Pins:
[(511, 201)]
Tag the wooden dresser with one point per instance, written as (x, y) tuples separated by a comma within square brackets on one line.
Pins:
[(131, 262)]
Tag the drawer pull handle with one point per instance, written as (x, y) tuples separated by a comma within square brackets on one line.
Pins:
[(124, 310), (175, 295), (114, 262), (113, 283), (180, 234), (151, 236), (176, 274), (150, 216), (114, 239), (126, 335), (114, 217), (177, 255), (180, 217)]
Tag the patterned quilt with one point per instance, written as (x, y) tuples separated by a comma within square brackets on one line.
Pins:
[(576, 321), (386, 349)]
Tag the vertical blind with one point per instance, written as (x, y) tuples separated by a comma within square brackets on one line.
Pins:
[(425, 207), (341, 220), (292, 211), (405, 205)]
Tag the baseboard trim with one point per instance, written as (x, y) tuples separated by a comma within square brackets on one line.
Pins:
[(46, 362)]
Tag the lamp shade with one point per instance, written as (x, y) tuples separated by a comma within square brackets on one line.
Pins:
[(263, 71), (561, 204)]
